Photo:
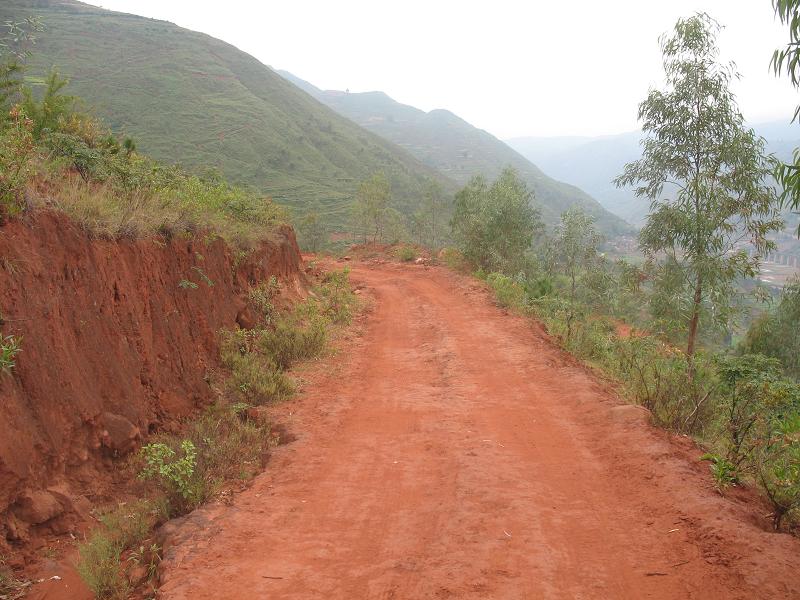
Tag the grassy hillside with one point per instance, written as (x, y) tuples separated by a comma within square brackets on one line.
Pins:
[(189, 98), (445, 142)]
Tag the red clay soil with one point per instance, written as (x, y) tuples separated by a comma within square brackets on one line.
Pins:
[(112, 348), (452, 451)]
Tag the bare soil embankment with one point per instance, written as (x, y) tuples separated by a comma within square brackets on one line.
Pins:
[(114, 346)]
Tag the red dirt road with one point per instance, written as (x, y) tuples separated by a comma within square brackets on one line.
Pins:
[(451, 451)]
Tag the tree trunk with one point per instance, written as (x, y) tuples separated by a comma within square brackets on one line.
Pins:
[(690, 345)]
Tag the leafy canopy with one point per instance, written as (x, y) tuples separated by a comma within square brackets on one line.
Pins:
[(495, 225), (705, 174), (786, 60)]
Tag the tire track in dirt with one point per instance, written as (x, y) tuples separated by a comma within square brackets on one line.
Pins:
[(451, 451)]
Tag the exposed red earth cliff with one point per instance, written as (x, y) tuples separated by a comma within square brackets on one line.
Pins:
[(113, 346)]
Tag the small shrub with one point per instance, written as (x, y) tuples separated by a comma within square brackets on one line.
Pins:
[(655, 375), (176, 474), (10, 347), (723, 471), (100, 568), (11, 587), (17, 151), (592, 339), (147, 556), (453, 259), (262, 296), (229, 445), (509, 293), (539, 287), (254, 376), (291, 340), (123, 528), (130, 524), (336, 298), (778, 467), (406, 254), (747, 382)]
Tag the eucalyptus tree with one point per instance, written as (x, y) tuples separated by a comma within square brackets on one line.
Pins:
[(434, 206), (576, 247), (705, 174), (787, 60), (372, 207)]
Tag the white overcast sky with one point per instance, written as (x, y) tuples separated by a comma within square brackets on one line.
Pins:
[(526, 67)]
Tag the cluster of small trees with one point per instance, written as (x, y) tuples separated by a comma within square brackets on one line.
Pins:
[(709, 184)]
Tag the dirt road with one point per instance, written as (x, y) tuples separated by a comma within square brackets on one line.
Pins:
[(451, 451)]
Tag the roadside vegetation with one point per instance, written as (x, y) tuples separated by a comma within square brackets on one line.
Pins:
[(663, 327)]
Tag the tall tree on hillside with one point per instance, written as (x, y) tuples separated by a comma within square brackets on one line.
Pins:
[(787, 60), (430, 217), (372, 210), (312, 231), (576, 252), (495, 225), (705, 174)]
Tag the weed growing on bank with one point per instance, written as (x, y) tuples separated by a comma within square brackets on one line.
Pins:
[(223, 444), (122, 530), (10, 347), (258, 358)]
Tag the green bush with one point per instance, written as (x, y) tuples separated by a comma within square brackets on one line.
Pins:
[(17, 151), (122, 528), (100, 567), (724, 472), (655, 375), (229, 444), (254, 375), (406, 254), (262, 296), (778, 465), (258, 380), (453, 259), (335, 296), (174, 470), (292, 339), (508, 292)]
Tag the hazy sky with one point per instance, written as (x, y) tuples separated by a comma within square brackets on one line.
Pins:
[(525, 67)]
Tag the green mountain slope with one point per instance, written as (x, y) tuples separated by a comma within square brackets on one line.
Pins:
[(189, 98), (458, 150)]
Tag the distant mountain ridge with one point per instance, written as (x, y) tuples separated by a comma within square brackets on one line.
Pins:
[(593, 162), (192, 99), (458, 150)]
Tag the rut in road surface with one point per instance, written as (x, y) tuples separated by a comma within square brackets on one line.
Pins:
[(452, 451)]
